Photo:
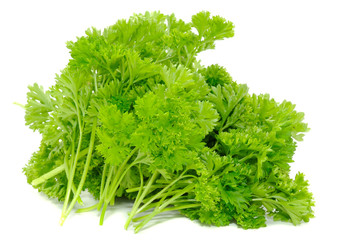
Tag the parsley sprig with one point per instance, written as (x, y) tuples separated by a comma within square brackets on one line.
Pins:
[(134, 114)]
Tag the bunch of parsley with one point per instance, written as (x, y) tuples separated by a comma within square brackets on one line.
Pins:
[(134, 114)]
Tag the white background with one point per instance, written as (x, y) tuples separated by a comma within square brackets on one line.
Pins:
[(289, 49)]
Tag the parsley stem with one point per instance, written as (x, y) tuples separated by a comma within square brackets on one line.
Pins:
[(120, 176), (48, 175), (108, 180), (70, 180), (141, 195), (162, 196), (74, 163), (164, 190), (160, 208), (111, 186), (122, 170), (215, 146), (19, 104), (103, 211), (87, 209), (174, 208), (66, 167), (102, 185), (153, 205), (136, 189), (84, 174), (55, 171)]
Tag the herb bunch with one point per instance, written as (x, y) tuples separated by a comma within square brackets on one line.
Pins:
[(134, 114)]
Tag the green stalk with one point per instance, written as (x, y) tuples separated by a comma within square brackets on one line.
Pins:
[(176, 196), (55, 171), (84, 174), (147, 218), (114, 185), (120, 175), (141, 184), (160, 193), (20, 105), (104, 171), (82, 210), (161, 208), (103, 211), (48, 175), (99, 204), (175, 208), (137, 189), (71, 176), (192, 205), (108, 180), (139, 198), (160, 184), (169, 192), (149, 201), (215, 146), (67, 174), (109, 195), (153, 205)]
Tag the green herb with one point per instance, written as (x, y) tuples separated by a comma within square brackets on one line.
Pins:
[(134, 114)]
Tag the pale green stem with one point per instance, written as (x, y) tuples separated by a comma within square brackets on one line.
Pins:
[(67, 174), (104, 172), (110, 195), (159, 209), (55, 171), (48, 175), (153, 205), (136, 189), (108, 180), (81, 210), (160, 193), (19, 104), (138, 201), (175, 208), (70, 179), (120, 175), (84, 174)]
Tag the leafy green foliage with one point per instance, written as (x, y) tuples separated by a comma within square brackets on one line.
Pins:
[(216, 75), (41, 163), (115, 134), (134, 114), (39, 105)]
